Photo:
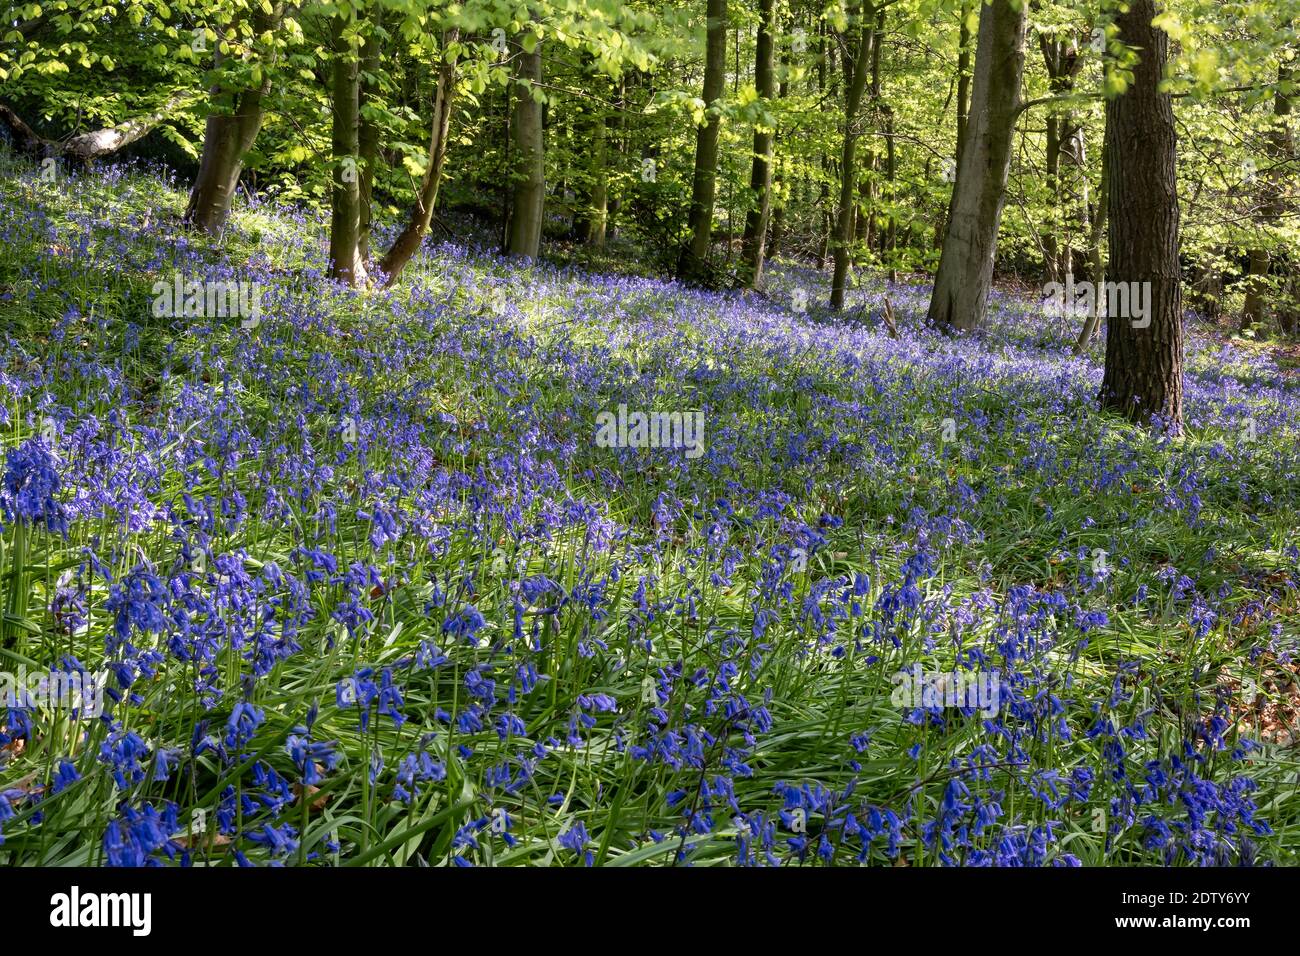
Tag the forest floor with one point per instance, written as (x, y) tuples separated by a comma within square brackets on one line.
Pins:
[(369, 591)]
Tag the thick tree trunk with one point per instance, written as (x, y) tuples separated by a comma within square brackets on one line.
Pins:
[(1144, 356), (760, 177), (856, 67), (227, 138), (692, 264), (345, 264), (965, 274), (408, 240), (528, 198)]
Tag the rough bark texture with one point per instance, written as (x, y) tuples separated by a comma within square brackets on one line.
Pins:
[(345, 263), (754, 243), (227, 138), (692, 263), (408, 240), (857, 64), (965, 274), (524, 233), (1144, 366)]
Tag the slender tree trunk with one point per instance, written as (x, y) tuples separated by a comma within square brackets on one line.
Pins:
[(692, 265), (408, 240), (529, 195), (1144, 357), (368, 133), (1063, 63), (598, 199), (1288, 311), (963, 78), (1273, 206), (345, 263), (760, 178), (1097, 271), (778, 188), (824, 196), (227, 138), (856, 68), (590, 221), (965, 275)]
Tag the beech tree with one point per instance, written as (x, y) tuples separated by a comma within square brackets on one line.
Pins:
[(965, 274), (692, 263)]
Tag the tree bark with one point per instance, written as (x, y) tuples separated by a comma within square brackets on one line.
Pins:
[(528, 198), (84, 148), (408, 240), (965, 274), (1097, 273), (368, 133), (1063, 63), (857, 66), (345, 264), (227, 138), (1143, 379), (963, 79), (692, 264), (754, 242)]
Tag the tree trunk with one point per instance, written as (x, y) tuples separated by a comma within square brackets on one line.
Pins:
[(368, 133), (692, 264), (408, 240), (963, 78), (590, 222), (527, 201), (1288, 311), (760, 177), (1063, 63), (598, 199), (345, 263), (84, 148), (227, 138), (856, 69), (1097, 271), (965, 275), (1273, 206), (1144, 358)]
